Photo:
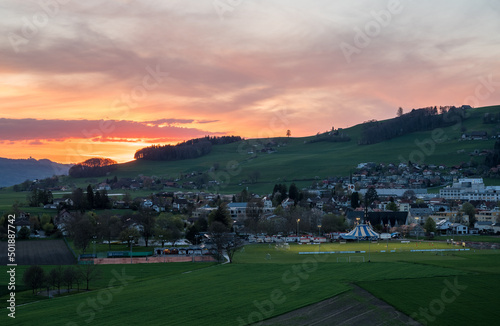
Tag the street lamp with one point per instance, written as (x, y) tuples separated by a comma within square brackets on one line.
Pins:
[(298, 221), (319, 230), (131, 239), (162, 253)]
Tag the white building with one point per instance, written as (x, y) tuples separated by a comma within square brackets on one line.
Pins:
[(470, 189)]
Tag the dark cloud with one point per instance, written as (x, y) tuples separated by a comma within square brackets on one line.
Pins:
[(97, 130)]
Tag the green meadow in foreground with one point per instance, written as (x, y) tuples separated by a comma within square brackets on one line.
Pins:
[(268, 281)]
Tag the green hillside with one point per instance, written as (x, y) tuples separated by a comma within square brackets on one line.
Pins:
[(301, 162), (296, 160)]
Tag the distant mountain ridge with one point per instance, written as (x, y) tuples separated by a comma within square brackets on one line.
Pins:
[(15, 171)]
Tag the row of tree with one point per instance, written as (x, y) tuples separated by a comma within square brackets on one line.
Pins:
[(416, 120), (84, 228), (94, 167), (39, 197), (186, 150), (35, 277), (90, 200)]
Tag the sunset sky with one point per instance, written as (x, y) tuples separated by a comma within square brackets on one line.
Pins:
[(80, 79)]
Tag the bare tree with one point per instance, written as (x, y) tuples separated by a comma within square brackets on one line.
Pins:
[(109, 227), (147, 221), (88, 273), (56, 278), (34, 277), (69, 277), (224, 241)]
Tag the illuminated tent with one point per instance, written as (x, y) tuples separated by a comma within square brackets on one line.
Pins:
[(361, 232)]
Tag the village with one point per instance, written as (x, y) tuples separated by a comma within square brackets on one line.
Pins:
[(400, 202)]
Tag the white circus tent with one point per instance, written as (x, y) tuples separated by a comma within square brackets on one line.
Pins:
[(361, 232)]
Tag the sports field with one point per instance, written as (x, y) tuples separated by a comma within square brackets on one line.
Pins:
[(266, 281)]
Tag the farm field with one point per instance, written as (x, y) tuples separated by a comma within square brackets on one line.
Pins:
[(266, 281), (35, 252)]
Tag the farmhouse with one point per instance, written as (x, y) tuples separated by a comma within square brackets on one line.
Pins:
[(22, 221), (443, 226), (61, 221), (483, 226), (458, 228), (416, 230)]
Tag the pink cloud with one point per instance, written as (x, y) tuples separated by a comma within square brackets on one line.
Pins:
[(102, 130)]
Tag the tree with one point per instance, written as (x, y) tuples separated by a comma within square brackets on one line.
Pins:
[(243, 197), (170, 226), (55, 278), (146, 219), (409, 195), (69, 276), (88, 272), (94, 167), (253, 213), (333, 223), (222, 215), (35, 222), (83, 229), (201, 225), (392, 206), (78, 199), (45, 219), (254, 176), (23, 233), (109, 227), (355, 200), (399, 112), (370, 196), (470, 210), (293, 193), (430, 226), (129, 234), (34, 278), (223, 240), (288, 133), (127, 199), (90, 197), (78, 277)]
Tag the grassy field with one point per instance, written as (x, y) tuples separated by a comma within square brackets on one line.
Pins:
[(266, 281), (469, 299)]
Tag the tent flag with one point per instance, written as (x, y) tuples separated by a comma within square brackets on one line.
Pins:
[(361, 231)]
